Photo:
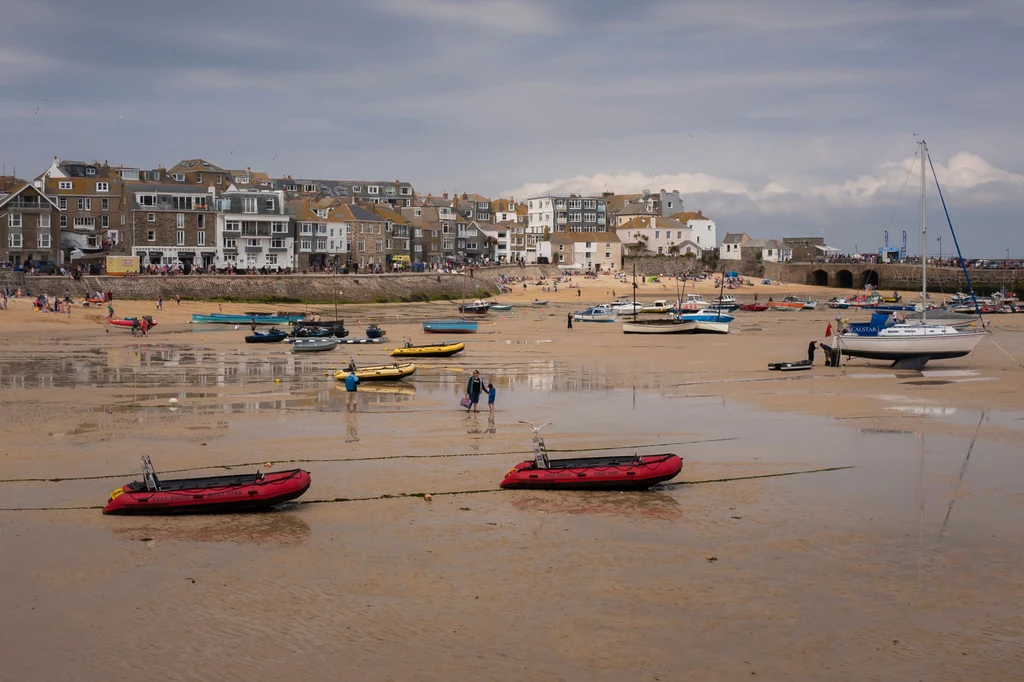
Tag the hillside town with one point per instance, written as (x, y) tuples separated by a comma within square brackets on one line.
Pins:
[(199, 217)]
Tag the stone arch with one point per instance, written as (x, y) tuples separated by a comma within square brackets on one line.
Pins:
[(844, 279), (869, 277), (818, 278)]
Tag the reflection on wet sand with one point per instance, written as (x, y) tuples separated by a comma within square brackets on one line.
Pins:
[(283, 526), (650, 504)]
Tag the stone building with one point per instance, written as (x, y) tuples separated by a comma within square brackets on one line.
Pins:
[(169, 224), (28, 223), (90, 197)]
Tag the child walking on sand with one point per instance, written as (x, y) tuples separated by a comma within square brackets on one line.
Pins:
[(492, 393)]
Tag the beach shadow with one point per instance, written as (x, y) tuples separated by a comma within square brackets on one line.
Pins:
[(649, 504), (279, 526)]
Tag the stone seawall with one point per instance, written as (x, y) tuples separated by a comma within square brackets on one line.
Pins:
[(662, 265), (906, 277), (281, 288)]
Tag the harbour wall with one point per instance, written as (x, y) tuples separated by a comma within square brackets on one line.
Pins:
[(904, 277), (392, 287)]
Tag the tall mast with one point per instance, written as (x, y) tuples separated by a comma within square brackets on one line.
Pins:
[(924, 240)]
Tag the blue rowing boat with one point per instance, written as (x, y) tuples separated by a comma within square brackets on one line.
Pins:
[(224, 318), (449, 326)]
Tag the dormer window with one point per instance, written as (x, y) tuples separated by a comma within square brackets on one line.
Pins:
[(180, 177), (199, 178), (356, 189), (64, 184), (89, 170), (309, 188), (102, 186)]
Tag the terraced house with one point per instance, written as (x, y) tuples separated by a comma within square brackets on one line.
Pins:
[(90, 197), (169, 223), (254, 230), (28, 223), (366, 236), (320, 233)]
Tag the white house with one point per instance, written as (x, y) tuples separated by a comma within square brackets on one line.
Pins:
[(659, 235), (705, 231), (775, 251), (253, 230), (732, 246), (596, 251), (500, 237)]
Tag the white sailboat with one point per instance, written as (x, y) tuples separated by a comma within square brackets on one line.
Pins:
[(911, 345)]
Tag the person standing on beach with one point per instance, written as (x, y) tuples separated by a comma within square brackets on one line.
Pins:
[(160, 303), (492, 393), (570, 320), (810, 351), (474, 388), (351, 391), (110, 312)]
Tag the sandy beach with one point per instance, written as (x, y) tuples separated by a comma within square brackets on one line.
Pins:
[(767, 556)]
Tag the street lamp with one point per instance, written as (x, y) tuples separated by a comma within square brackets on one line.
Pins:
[(940, 247)]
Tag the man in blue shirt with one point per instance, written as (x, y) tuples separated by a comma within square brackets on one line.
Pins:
[(351, 391)]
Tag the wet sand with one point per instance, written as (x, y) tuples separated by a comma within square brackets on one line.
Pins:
[(905, 566)]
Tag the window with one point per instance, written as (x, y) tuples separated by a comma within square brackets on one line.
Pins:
[(102, 186), (280, 228), (255, 243), (201, 221), (14, 240), (249, 205), (372, 189), (180, 177), (63, 203), (64, 184), (151, 235), (433, 233), (86, 223), (84, 204), (129, 174), (43, 241), (44, 220), (233, 226), (321, 244), (89, 170), (446, 228), (104, 221), (356, 189), (417, 212), (405, 191), (306, 245), (575, 217), (14, 220), (200, 238), (590, 218), (575, 203), (607, 254), (269, 204), (389, 190), (220, 178), (277, 243), (305, 228), (199, 178), (589, 203), (362, 245), (272, 259), (179, 220), (657, 234), (147, 199), (104, 204), (63, 221), (181, 238), (309, 188), (230, 243)]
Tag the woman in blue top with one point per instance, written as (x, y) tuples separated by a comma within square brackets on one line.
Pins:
[(473, 389)]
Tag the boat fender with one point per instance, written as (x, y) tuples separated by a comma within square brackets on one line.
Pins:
[(427, 497)]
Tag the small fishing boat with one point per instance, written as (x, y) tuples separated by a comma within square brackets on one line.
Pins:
[(712, 321), (430, 350), (374, 332), (271, 336), (754, 307), (791, 302), (615, 472), (224, 318), (231, 493), (477, 307), (663, 326), (838, 303), (319, 328), (599, 313), (693, 303), (393, 372), (129, 322), (659, 306), (628, 308), (450, 326), (314, 345), (536, 302), (95, 298), (355, 340), (501, 307)]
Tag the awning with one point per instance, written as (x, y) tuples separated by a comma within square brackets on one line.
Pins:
[(186, 254), (156, 254), (827, 249)]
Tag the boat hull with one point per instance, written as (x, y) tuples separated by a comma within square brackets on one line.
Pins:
[(602, 317), (363, 339), (314, 345), (266, 337), (218, 494), (441, 350), (595, 473), (449, 327), (934, 347), (128, 322), (753, 308), (245, 319), (394, 372), (658, 327)]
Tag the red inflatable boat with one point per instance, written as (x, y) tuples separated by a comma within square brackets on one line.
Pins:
[(617, 472), (234, 493), (129, 322)]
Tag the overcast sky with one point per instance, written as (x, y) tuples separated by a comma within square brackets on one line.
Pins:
[(781, 118)]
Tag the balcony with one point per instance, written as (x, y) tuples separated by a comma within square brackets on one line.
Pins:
[(276, 249), (254, 249), (23, 205), (232, 229), (260, 231)]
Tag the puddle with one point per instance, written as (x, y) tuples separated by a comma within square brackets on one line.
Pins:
[(923, 410)]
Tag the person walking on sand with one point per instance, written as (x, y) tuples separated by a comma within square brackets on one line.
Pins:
[(492, 393), (160, 303), (474, 388), (570, 320), (351, 390), (810, 351), (110, 312)]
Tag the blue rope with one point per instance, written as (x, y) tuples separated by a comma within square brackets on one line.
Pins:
[(956, 243)]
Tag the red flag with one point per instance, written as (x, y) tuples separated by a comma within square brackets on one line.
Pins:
[(828, 330)]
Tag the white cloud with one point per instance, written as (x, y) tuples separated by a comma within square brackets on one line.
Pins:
[(20, 65), (504, 16)]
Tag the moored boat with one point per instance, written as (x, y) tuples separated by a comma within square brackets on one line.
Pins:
[(536, 302), (711, 321), (450, 326), (224, 318), (362, 339), (129, 322), (501, 307), (599, 313), (615, 472), (313, 328), (374, 332), (693, 303), (231, 493), (314, 345), (393, 372), (659, 306), (754, 307), (270, 336), (477, 307), (429, 350), (663, 326)]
